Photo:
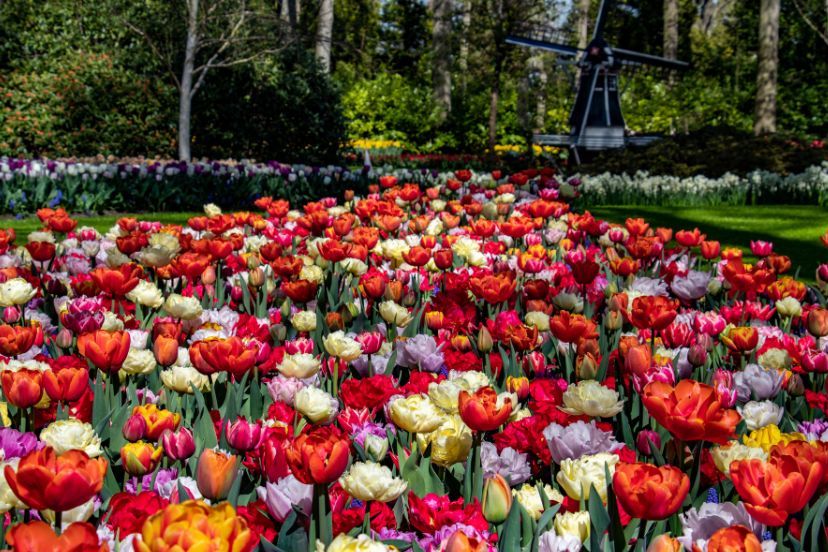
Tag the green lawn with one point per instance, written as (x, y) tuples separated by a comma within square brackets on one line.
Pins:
[(101, 223), (793, 229)]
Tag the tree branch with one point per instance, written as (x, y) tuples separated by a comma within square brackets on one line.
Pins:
[(808, 21)]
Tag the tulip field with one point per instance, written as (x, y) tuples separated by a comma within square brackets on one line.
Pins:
[(452, 362)]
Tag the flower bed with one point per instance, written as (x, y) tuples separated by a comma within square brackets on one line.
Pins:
[(759, 187), (467, 365)]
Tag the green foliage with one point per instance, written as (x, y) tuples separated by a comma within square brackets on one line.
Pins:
[(390, 107), (84, 105), (711, 152), (286, 110)]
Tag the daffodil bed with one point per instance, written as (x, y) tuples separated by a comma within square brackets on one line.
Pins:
[(468, 364)]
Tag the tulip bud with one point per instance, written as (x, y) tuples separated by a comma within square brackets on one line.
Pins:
[(178, 445), (484, 340), (256, 276), (63, 339), (664, 543), (642, 441), (215, 473), (461, 343), (243, 435), (348, 195), (705, 341), (236, 293), (11, 314), (393, 291), (795, 386), (497, 499), (519, 386), (587, 367), (166, 350), (278, 332), (375, 447), (208, 277), (140, 458), (334, 321), (818, 322), (613, 320), (135, 428), (253, 262), (697, 355)]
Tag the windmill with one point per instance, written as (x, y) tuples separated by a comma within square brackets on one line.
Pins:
[(596, 120)]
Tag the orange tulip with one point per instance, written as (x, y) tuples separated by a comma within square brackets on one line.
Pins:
[(493, 289), (664, 543), (117, 282), (106, 350), (484, 410), (215, 473), (775, 489), (15, 340), (46, 481), (23, 388), (37, 536), (690, 411), (319, 455), (65, 383), (736, 538), (571, 328), (193, 525), (460, 542), (223, 355), (649, 492), (165, 349), (653, 312), (300, 291)]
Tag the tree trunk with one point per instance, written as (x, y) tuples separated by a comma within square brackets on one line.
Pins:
[(539, 80), (324, 32), (463, 57), (185, 96), (766, 75), (671, 29), (441, 44), (493, 102), (583, 23)]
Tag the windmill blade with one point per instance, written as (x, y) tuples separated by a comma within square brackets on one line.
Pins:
[(598, 31), (637, 58), (560, 49)]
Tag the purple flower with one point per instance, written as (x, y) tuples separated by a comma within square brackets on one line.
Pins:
[(16, 445), (692, 286), (434, 541), (816, 430), (700, 524), (370, 428), (162, 478), (509, 463), (577, 439), (385, 534), (282, 495), (420, 351)]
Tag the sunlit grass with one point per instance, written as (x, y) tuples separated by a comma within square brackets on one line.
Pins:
[(793, 229)]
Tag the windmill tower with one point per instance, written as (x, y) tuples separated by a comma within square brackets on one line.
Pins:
[(596, 121)]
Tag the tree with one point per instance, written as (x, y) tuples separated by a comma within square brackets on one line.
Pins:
[(218, 33), (812, 19), (767, 73), (324, 34), (671, 35), (441, 45), (583, 23)]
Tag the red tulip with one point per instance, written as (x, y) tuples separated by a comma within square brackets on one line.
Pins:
[(37, 536), (691, 411)]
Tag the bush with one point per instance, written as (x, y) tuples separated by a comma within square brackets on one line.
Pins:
[(391, 107), (289, 111), (85, 104), (712, 152)]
